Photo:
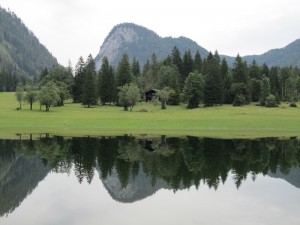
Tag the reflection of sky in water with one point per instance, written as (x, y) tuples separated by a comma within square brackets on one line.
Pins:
[(60, 199)]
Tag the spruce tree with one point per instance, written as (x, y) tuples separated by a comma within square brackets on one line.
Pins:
[(135, 67), (213, 87), (78, 81), (254, 71), (106, 83), (197, 62), (124, 75), (176, 59), (241, 84), (187, 66), (89, 93)]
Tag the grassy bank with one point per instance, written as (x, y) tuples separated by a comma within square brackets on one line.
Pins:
[(74, 120)]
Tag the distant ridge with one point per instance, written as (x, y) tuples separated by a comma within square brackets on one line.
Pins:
[(140, 42), (286, 56)]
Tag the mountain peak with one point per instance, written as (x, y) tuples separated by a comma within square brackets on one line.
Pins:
[(140, 42)]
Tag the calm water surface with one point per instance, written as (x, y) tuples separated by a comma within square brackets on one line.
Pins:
[(127, 180)]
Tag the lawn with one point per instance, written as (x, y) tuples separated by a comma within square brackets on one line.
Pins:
[(223, 121)]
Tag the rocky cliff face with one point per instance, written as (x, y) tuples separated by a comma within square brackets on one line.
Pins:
[(140, 42), (138, 187)]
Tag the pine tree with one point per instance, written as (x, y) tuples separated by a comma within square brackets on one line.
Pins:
[(124, 75), (176, 59), (265, 70), (106, 83), (187, 66), (213, 87), (241, 80), (89, 93), (135, 67), (78, 81), (197, 62), (254, 71)]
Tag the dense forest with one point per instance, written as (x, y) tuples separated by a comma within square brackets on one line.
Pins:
[(22, 56), (174, 163), (176, 79)]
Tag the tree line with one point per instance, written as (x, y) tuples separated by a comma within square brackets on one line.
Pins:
[(180, 162), (175, 79)]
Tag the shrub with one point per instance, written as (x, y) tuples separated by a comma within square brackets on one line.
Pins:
[(271, 101), (293, 104), (239, 100)]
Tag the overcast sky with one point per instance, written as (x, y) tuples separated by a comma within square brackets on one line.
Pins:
[(74, 28)]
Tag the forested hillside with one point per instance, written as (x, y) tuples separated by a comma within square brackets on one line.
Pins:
[(287, 56), (21, 53)]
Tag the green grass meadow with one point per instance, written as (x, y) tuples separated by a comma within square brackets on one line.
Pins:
[(74, 120)]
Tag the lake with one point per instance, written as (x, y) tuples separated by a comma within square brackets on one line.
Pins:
[(149, 180)]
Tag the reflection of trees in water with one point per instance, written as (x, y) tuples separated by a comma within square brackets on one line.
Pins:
[(180, 162)]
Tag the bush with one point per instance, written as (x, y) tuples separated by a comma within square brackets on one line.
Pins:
[(239, 100), (293, 104), (271, 101)]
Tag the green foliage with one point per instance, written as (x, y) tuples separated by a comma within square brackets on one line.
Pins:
[(31, 95), (193, 89), (89, 91), (187, 66), (271, 101), (106, 83), (20, 95), (239, 100), (135, 67), (124, 74), (129, 95), (164, 96), (240, 80), (49, 95), (213, 86), (197, 62), (265, 90), (256, 89), (63, 79), (168, 76), (78, 81)]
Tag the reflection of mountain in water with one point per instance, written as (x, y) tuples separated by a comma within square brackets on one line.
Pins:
[(293, 177), (19, 178), (138, 187), (132, 169)]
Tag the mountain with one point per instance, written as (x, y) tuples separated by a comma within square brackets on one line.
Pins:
[(141, 42), (138, 188), (289, 55), (21, 53), (19, 176), (293, 177)]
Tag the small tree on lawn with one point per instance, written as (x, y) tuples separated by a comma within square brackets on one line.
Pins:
[(129, 95), (31, 95), (193, 89), (49, 95), (20, 95), (164, 96)]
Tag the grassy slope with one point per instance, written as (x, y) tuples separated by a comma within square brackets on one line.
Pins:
[(74, 120)]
